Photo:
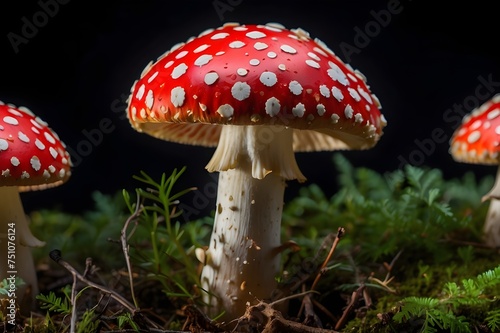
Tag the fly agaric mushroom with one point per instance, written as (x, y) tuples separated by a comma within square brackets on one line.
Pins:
[(258, 93), (477, 141), (32, 157)]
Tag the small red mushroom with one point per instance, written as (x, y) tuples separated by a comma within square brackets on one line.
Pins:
[(32, 157), (477, 141), (258, 93)]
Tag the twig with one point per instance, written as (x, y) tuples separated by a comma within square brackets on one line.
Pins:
[(73, 304), (125, 249), (56, 256), (340, 234), (354, 300)]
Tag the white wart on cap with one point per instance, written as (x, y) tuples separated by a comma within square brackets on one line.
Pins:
[(32, 156), (253, 75)]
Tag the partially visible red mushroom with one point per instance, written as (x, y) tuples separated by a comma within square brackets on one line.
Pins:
[(272, 91), (32, 157), (477, 141)]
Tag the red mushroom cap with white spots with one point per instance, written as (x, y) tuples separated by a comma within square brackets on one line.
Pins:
[(32, 156), (253, 75), (477, 139)]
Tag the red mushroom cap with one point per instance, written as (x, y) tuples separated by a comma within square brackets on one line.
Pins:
[(477, 139), (252, 75), (32, 156)]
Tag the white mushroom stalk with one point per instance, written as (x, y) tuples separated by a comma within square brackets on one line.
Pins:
[(491, 228), (16, 241), (243, 260)]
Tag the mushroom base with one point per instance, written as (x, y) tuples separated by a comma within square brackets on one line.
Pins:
[(16, 260), (491, 228), (243, 258)]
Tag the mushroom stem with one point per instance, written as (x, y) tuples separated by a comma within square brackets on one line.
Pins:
[(243, 259), (16, 259), (491, 228)]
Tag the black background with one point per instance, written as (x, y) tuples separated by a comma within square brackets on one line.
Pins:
[(75, 69)]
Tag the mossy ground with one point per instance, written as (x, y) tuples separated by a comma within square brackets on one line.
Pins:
[(408, 233)]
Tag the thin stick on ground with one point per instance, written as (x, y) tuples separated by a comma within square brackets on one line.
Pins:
[(125, 248), (340, 234), (56, 256)]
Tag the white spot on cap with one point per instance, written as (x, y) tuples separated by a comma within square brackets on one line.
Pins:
[(14, 161), (35, 163), (320, 51), (220, 35), (337, 74), (255, 34), (236, 44), (476, 124), (354, 94), (320, 108), (295, 87), (46, 174), (272, 54), (36, 123), (211, 77), (225, 110), (25, 175), (152, 77), (53, 152), (168, 64), (299, 110), (242, 71), (181, 54), (149, 99), (49, 137), (288, 49), (23, 137), (39, 144), (358, 118), (259, 46), (282, 67), (10, 120), (497, 130), (348, 111), (240, 90), (312, 63), (254, 62), (337, 93), (323, 90), (272, 106), (314, 56), (473, 137), (179, 70), (4, 144), (268, 78), (177, 96), (493, 114), (140, 92), (365, 95), (335, 118), (201, 48), (203, 60)]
